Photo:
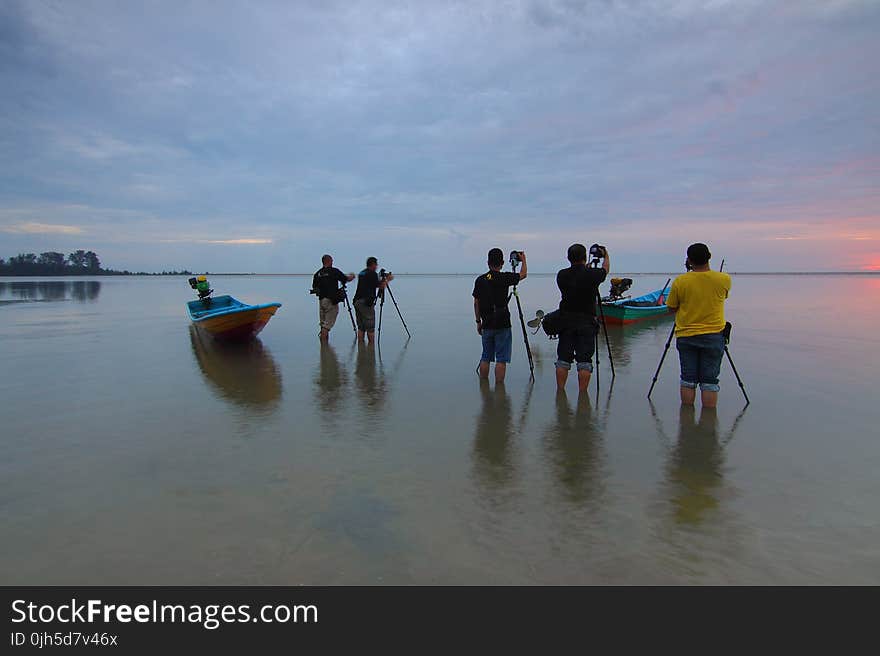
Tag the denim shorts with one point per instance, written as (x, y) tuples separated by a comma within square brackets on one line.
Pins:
[(497, 344), (700, 358), (577, 342)]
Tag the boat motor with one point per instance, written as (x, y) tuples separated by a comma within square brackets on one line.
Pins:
[(619, 287), (202, 287)]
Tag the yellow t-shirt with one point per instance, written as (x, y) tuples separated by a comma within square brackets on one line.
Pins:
[(699, 297)]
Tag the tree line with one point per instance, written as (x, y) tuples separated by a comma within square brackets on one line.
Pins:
[(77, 263)]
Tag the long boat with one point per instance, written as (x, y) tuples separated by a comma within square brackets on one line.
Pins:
[(631, 310), (225, 317)]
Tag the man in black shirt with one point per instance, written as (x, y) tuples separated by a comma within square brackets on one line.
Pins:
[(326, 283), (579, 285), (365, 299), (491, 295)]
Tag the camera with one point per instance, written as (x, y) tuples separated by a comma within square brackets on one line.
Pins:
[(597, 251), (384, 274), (515, 259)]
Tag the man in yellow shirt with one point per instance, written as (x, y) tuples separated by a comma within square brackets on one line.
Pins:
[(698, 298)]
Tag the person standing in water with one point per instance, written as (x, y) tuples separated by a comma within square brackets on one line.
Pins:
[(365, 299), (697, 298), (325, 283), (491, 296)]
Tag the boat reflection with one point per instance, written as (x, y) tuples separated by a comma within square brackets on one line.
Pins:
[(244, 373), (573, 447), (494, 465), (23, 291)]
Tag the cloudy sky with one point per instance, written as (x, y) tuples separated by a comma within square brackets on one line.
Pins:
[(254, 136)]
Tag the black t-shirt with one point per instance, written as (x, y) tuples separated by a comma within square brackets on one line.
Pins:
[(326, 281), (368, 283), (579, 286), (492, 290)]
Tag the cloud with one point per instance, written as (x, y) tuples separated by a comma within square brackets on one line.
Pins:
[(31, 228), (442, 126)]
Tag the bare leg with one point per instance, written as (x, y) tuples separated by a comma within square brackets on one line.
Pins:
[(325, 335), (688, 395), (360, 336), (584, 379), (561, 377), (371, 337), (709, 399), (500, 371), (484, 369)]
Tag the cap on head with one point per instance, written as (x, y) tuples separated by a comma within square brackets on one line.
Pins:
[(698, 254), (577, 253), (496, 257), (326, 259)]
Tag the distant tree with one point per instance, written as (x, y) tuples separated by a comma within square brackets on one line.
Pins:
[(92, 262), (51, 262), (77, 259)]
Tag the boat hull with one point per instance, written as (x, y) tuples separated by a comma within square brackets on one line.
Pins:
[(622, 315), (227, 318), (619, 313)]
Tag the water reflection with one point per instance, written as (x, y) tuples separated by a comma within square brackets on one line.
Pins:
[(573, 445), (370, 381), (244, 373), (623, 338), (330, 383), (21, 291), (694, 471), (494, 466)]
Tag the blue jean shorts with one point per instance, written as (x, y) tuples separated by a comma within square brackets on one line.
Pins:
[(497, 345), (700, 358)]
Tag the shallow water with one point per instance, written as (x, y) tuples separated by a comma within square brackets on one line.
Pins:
[(138, 452)]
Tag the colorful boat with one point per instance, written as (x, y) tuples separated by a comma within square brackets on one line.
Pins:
[(225, 317), (631, 310)]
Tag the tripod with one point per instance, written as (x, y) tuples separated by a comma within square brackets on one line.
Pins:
[(595, 265), (382, 306), (522, 323), (348, 305)]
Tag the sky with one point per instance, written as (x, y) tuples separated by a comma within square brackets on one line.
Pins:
[(256, 136)]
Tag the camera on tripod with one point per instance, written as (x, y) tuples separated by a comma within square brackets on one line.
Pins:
[(383, 274), (515, 259)]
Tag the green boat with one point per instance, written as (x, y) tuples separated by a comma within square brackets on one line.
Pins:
[(632, 310)]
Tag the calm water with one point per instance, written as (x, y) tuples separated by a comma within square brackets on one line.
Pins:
[(136, 452)]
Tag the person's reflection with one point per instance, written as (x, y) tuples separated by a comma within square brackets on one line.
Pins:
[(370, 381), (695, 467), (574, 450), (330, 383), (244, 373), (494, 467)]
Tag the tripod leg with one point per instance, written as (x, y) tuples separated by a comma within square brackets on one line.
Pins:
[(605, 330), (522, 324), (381, 307), (736, 373), (350, 315), (397, 307), (662, 358)]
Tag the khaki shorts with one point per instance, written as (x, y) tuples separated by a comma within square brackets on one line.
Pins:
[(327, 313), (365, 313)]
